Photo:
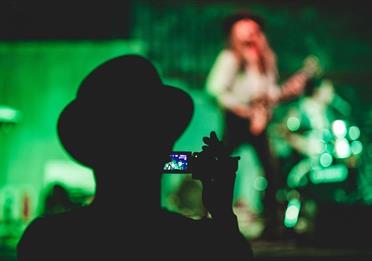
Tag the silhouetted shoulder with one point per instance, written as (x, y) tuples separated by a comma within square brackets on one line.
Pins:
[(43, 237), (25, 249)]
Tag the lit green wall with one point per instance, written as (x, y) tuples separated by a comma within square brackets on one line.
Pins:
[(39, 79)]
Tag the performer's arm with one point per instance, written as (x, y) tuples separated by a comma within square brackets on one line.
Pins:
[(295, 85), (220, 79)]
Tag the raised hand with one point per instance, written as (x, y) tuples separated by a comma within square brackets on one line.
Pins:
[(214, 147), (216, 170)]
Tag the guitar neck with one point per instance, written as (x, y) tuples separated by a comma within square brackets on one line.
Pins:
[(310, 67)]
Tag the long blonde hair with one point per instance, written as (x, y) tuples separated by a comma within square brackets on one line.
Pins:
[(268, 62)]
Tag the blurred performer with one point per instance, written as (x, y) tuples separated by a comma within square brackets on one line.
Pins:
[(313, 114), (308, 126), (297, 135), (243, 80), (317, 144)]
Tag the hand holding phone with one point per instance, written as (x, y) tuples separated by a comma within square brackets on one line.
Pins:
[(180, 162), (216, 169)]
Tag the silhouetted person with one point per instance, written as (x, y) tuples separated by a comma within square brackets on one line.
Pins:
[(123, 124)]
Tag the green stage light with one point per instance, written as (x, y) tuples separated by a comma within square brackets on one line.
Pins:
[(342, 148), (356, 147), (326, 160), (293, 123), (354, 132), (260, 183), (339, 128), (292, 213)]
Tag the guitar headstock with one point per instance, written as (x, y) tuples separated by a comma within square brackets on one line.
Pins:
[(311, 66)]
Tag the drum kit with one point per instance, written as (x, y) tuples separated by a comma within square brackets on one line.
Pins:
[(328, 176)]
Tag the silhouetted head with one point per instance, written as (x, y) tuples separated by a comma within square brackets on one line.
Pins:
[(122, 113)]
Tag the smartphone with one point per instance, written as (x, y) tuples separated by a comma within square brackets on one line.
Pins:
[(179, 162)]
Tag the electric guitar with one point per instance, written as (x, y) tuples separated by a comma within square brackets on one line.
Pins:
[(261, 107)]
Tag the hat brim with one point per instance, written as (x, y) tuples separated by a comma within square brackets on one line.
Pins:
[(79, 130)]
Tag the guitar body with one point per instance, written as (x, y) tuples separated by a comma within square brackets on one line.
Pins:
[(260, 116), (261, 107)]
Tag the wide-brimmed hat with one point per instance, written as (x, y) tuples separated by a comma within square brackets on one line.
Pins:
[(122, 99)]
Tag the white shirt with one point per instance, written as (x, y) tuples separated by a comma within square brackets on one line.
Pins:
[(316, 113), (233, 86)]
